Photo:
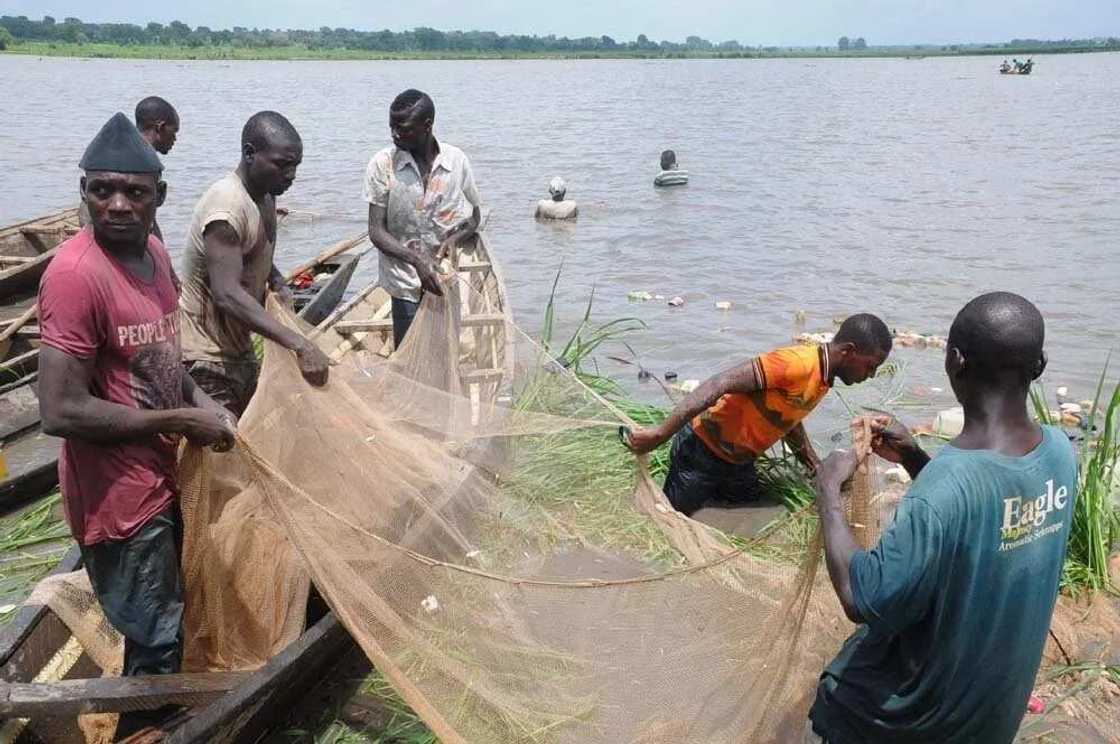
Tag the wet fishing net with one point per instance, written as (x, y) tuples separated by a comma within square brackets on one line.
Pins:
[(466, 509)]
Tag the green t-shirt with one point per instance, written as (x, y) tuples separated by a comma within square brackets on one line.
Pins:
[(957, 598)]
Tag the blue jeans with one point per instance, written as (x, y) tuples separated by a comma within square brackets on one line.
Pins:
[(404, 312)]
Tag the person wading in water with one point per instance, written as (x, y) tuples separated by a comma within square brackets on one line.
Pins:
[(731, 419)]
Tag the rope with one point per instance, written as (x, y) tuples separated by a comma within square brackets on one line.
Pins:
[(266, 467)]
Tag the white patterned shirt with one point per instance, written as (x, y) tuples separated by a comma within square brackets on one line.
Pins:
[(393, 182)]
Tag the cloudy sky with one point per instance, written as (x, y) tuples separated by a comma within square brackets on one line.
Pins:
[(769, 22)]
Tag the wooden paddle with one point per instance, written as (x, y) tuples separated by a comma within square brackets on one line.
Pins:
[(9, 333)]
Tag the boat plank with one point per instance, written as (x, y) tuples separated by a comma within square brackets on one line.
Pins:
[(114, 694), (250, 708), (32, 459)]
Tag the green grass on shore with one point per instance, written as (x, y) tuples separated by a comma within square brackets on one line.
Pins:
[(301, 52)]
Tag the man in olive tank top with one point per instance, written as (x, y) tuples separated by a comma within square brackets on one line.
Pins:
[(228, 268)]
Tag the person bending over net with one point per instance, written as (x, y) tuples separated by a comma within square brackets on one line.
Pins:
[(229, 267), (724, 425), (423, 202), (954, 603)]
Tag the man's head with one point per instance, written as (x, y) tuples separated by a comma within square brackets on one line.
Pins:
[(861, 344), (121, 186), (158, 121), (995, 345), (668, 160), (271, 150), (557, 189), (411, 115)]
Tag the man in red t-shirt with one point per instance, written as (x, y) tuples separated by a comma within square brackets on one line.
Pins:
[(112, 385)]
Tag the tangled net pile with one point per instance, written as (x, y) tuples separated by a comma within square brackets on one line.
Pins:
[(481, 539)]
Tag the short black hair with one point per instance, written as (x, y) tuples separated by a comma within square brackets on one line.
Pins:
[(1000, 334), (668, 159), (869, 334), (152, 110), (412, 97), (268, 128)]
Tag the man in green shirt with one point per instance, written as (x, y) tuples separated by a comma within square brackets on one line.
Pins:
[(955, 601)]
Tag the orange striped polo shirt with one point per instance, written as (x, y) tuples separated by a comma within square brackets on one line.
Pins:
[(741, 426)]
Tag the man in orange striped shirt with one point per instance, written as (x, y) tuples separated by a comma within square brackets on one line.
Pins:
[(735, 416)]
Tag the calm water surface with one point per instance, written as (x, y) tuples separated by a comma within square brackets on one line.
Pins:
[(899, 187)]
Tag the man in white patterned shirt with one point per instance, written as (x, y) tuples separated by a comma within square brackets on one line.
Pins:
[(422, 202)]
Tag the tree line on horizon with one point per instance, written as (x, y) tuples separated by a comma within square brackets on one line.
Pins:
[(422, 39)]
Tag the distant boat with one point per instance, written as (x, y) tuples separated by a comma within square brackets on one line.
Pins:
[(1020, 68)]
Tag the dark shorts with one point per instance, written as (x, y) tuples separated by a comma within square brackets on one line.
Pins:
[(231, 384), (697, 476), (404, 312)]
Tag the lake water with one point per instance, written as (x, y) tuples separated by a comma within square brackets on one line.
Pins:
[(899, 187)]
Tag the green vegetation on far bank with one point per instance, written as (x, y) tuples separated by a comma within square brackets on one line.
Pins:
[(73, 37), (293, 52)]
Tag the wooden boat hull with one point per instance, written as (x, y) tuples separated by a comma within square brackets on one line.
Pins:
[(26, 249), (260, 700), (315, 302), (30, 455)]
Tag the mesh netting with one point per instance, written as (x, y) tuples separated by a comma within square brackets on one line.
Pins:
[(464, 509)]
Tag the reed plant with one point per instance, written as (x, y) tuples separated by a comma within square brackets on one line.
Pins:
[(32, 542), (1095, 530)]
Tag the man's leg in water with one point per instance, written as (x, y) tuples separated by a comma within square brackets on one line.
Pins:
[(693, 477)]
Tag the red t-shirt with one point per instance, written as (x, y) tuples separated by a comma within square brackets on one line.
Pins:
[(91, 307)]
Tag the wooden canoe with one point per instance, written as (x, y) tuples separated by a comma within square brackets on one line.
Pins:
[(44, 679), (32, 457), (25, 250), (27, 247), (365, 322), (319, 285)]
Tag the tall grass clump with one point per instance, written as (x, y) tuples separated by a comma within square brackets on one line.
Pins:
[(1096, 522), (32, 543)]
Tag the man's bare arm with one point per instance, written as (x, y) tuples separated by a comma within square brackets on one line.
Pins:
[(839, 543), (802, 446), (411, 253), (195, 396), (224, 264), (739, 379), (69, 410)]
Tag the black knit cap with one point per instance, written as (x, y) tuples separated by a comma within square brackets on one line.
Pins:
[(119, 148)]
